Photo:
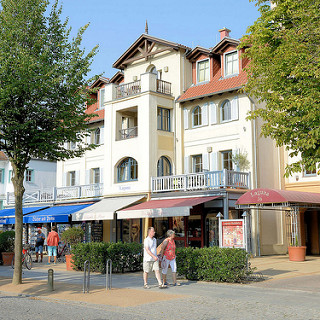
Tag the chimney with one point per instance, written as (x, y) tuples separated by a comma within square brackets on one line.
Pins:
[(224, 32)]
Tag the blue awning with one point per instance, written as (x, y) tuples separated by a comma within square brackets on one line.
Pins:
[(53, 214), (7, 216)]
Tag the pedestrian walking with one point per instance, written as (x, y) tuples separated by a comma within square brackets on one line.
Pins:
[(39, 245), (53, 242), (150, 259), (168, 254)]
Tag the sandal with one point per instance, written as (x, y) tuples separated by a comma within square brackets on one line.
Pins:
[(162, 286), (177, 284), (146, 286)]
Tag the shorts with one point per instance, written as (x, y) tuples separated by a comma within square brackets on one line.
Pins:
[(166, 263), (52, 251), (149, 266), (39, 249)]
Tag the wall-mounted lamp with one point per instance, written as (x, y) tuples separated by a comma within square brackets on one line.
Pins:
[(135, 78), (165, 69)]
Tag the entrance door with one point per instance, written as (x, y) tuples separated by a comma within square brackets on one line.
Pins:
[(212, 230), (312, 231), (179, 227), (195, 238)]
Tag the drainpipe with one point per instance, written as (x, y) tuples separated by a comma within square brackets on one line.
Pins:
[(253, 108)]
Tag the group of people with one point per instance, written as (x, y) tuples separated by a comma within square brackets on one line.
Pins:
[(52, 242), (167, 257)]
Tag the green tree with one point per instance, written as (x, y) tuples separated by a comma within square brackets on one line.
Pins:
[(42, 92), (284, 70)]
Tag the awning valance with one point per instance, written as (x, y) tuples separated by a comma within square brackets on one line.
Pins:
[(54, 214), (274, 197), (163, 208), (105, 209), (7, 216)]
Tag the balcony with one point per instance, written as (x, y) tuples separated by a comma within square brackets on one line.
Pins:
[(59, 194), (128, 89), (163, 87), (128, 133), (201, 181)]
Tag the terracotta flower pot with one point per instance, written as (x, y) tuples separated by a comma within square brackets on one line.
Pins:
[(7, 258), (297, 253), (69, 262)]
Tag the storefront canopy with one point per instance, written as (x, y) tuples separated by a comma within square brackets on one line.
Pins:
[(54, 214), (104, 209), (163, 208), (7, 216), (272, 197)]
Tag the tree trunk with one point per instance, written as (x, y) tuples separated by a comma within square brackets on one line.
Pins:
[(17, 180)]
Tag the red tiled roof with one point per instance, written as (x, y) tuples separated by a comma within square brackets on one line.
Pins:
[(93, 109), (3, 156), (216, 85)]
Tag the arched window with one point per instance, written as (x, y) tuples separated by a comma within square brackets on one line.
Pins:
[(196, 117), (225, 111), (97, 136), (127, 170), (164, 167)]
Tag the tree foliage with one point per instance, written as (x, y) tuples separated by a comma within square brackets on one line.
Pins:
[(283, 46), (43, 91)]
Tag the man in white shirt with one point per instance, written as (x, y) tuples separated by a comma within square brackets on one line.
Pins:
[(150, 259)]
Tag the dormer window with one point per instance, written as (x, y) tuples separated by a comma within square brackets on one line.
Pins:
[(101, 102), (231, 63), (203, 68)]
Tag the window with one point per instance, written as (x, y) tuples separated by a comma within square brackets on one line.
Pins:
[(128, 170), (10, 176), (72, 145), (225, 111), (95, 175), (163, 167), (231, 64), (203, 71), (310, 173), (29, 175), (227, 159), (96, 136), (101, 101), (71, 178), (196, 117), (1, 175), (163, 119), (197, 163)]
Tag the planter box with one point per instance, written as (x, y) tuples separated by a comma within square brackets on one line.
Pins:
[(7, 258), (297, 253), (69, 262)]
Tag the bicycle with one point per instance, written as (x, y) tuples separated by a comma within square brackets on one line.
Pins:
[(26, 258)]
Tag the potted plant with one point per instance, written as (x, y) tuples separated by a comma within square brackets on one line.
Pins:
[(7, 247), (296, 252), (71, 237)]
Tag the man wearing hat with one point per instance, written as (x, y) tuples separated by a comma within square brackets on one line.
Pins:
[(39, 245)]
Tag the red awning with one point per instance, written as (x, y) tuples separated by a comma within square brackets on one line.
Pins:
[(163, 208), (270, 196)]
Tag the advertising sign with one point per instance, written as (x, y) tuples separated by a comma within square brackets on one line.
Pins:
[(232, 233)]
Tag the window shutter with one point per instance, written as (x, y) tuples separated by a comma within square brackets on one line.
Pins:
[(88, 177), (235, 108), (214, 161), (213, 113), (77, 178), (185, 118), (102, 135), (205, 161), (204, 114), (64, 179), (186, 164), (235, 166), (32, 176), (89, 138), (101, 175)]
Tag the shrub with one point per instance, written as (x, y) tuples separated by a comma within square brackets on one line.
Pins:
[(72, 235), (124, 256), (7, 241), (213, 264)]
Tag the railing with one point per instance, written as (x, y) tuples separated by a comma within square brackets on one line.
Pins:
[(59, 193), (128, 133), (163, 86), (128, 89), (202, 180)]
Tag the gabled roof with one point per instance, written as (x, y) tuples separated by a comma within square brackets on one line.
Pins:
[(194, 53), (100, 81), (144, 44), (226, 41), (117, 77), (3, 156), (215, 86)]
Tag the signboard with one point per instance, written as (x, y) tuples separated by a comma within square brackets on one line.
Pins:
[(3, 221), (232, 233)]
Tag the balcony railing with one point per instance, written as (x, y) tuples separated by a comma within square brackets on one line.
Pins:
[(163, 86), (128, 89), (59, 194), (201, 181), (128, 133)]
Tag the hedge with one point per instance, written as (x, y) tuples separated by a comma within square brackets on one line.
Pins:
[(124, 256), (213, 264)]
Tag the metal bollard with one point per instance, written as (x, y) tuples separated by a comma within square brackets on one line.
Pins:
[(50, 280), (109, 274), (86, 277)]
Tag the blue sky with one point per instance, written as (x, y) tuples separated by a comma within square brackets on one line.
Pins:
[(115, 25)]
